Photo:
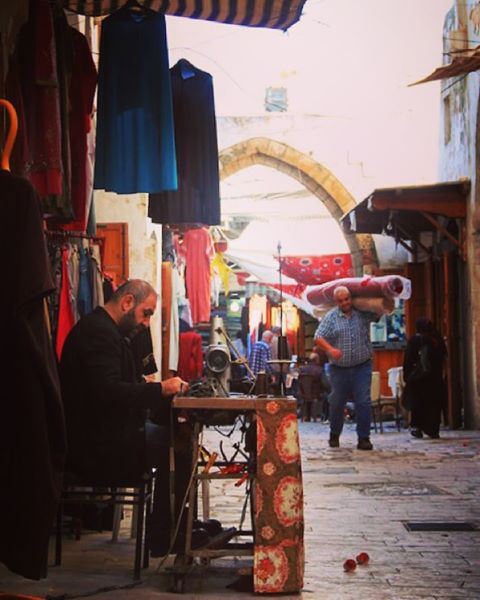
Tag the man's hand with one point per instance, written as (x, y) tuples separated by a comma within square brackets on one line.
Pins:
[(173, 386), (335, 353)]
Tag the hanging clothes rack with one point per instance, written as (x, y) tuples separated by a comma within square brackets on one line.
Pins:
[(66, 234), (11, 136)]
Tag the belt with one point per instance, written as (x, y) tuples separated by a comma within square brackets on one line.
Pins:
[(351, 366)]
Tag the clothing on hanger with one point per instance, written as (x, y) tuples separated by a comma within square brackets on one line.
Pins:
[(197, 199), (135, 147), (32, 429)]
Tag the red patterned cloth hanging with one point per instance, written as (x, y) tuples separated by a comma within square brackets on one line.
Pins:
[(279, 524), (313, 270)]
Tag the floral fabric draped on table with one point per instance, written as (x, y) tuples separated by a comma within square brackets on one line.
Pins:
[(279, 550)]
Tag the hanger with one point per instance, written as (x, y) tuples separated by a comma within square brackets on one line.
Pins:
[(186, 69), (12, 134)]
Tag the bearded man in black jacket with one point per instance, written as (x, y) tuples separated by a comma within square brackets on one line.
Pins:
[(109, 436), (117, 423)]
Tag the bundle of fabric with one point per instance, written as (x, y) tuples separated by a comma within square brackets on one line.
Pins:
[(368, 293)]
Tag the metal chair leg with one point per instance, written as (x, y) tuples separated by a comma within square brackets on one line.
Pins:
[(139, 540), (148, 509), (58, 535)]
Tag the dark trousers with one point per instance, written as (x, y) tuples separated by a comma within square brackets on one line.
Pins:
[(159, 521)]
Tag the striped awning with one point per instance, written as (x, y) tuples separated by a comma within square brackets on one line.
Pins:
[(274, 14)]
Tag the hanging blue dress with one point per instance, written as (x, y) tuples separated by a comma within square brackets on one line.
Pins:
[(135, 145)]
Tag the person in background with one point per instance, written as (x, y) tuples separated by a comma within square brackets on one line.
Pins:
[(313, 387), (278, 370), (344, 334), (425, 395), (261, 353), (239, 345)]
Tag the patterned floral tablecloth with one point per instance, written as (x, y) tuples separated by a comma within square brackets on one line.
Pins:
[(279, 551)]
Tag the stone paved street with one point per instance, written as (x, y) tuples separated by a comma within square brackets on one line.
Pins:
[(354, 501)]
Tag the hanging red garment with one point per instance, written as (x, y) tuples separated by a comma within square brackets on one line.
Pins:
[(66, 320), (199, 252), (82, 91), (190, 361), (34, 87)]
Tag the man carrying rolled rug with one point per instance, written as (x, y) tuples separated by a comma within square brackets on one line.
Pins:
[(344, 334)]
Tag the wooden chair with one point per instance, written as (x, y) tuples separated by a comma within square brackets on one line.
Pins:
[(382, 404), (138, 494), (308, 390)]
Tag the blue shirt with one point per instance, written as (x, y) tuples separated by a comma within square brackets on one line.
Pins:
[(351, 335), (261, 353)]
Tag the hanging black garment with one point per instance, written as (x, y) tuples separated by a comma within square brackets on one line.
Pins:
[(32, 430), (197, 199)]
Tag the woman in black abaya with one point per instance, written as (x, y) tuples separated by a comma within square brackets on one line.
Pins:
[(425, 395)]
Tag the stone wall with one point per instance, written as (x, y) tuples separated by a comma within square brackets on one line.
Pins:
[(459, 157)]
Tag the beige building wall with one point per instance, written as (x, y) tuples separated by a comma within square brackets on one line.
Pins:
[(144, 244)]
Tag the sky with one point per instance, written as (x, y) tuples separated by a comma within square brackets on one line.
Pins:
[(344, 58), (347, 63)]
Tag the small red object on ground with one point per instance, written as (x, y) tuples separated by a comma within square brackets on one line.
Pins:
[(362, 558), (349, 565)]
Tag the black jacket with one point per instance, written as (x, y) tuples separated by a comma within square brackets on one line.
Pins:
[(105, 404)]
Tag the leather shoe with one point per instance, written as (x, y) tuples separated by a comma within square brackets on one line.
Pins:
[(334, 441), (211, 526), (416, 433), (364, 444), (219, 540)]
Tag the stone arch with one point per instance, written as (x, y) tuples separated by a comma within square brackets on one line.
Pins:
[(311, 174)]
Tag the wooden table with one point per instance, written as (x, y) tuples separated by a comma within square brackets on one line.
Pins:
[(276, 491)]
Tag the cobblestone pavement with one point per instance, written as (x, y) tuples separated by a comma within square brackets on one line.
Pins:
[(354, 501)]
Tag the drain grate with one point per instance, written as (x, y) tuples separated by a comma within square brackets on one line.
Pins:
[(439, 526)]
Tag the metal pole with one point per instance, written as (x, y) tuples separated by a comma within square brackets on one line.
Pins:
[(279, 250)]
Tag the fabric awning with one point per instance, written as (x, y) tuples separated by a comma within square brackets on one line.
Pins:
[(460, 65), (274, 14), (407, 211)]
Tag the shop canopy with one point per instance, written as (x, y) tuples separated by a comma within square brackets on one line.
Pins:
[(405, 212), (466, 62), (274, 14)]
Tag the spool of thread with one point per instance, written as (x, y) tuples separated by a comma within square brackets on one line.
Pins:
[(261, 384)]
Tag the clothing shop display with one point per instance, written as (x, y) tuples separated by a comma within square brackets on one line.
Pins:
[(32, 430), (197, 199), (83, 83), (190, 361), (166, 314), (79, 281), (135, 147), (198, 248), (33, 86), (173, 346), (52, 81), (66, 319)]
